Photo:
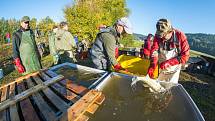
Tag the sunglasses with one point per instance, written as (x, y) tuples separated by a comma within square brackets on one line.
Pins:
[(27, 22)]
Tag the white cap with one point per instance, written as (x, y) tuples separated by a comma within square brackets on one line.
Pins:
[(126, 24)]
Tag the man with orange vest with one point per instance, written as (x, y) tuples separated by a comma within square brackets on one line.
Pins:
[(170, 49)]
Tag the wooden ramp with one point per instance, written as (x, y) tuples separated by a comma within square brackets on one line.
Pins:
[(45, 96)]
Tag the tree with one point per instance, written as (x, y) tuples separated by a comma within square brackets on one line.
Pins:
[(33, 23), (84, 16), (7, 26), (46, 25)]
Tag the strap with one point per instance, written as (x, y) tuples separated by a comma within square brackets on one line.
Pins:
[(176, 42)]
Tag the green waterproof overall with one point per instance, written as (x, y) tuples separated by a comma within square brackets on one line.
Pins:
[(28, 54), (52, 47)]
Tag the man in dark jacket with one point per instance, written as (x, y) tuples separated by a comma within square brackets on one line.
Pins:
[(25, 52), (103, 50)]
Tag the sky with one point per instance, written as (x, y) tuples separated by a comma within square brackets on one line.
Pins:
[(189, 16)]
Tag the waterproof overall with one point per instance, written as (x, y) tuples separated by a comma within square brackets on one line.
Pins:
[(52, 47), (28, 54), (170, 74)]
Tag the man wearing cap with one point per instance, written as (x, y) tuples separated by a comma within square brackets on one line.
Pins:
[(170, 49), (103, 50), (65, 44), (25, 52)]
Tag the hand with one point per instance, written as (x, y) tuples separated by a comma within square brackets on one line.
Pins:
[(168, 63), (19, 66), (151, 72), (118, 67)]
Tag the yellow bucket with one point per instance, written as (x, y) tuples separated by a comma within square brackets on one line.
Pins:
[(135, 65)]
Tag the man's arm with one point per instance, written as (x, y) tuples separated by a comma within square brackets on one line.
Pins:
[(154, 57), (184, 47), (15, 43), (71, 39)]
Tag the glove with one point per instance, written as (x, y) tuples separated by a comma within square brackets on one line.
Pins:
[(168, 63), (19, 66), (151, 72), (118, 67)]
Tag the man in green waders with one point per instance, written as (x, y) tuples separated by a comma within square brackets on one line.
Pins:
[(65, 44), (52, 45), (25, 52)]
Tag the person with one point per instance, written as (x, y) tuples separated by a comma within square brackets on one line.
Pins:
[(25, 52), (65, 44), (170, 49), (84, 46), (103, 49), (76, 40), (147, 46), (101, 27), (7, 37), (52, 46)]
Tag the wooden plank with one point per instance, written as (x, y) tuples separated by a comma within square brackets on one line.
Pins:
[(23, 77), (83, 118), (78, 89), (57, 101), (3, 113), (27, 109), (20, 79), (4, 94), (92, 109), (62, 90), (80, 107), (13, 108), (29, 92), (101, 99), (45, 111)]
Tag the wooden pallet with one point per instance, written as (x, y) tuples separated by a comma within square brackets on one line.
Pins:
[(46, 96)]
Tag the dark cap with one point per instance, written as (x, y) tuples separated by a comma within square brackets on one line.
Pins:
[(25, 19), (62, 24)]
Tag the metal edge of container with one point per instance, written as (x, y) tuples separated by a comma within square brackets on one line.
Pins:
[(192, 103), (101, 85), (92, 86), (76, 66)]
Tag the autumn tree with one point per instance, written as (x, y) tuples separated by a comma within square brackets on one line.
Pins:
[(46, 25), (84, 16)]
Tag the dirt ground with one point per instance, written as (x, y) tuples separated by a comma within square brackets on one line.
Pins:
[(201, 88)]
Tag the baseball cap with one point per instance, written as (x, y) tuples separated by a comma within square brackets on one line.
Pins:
[(25, 19), (126, 24), (163, 26)]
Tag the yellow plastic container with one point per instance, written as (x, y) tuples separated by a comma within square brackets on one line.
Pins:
[(135, 65)]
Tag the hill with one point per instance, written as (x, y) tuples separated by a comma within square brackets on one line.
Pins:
[(139, 36), (202, 42)]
